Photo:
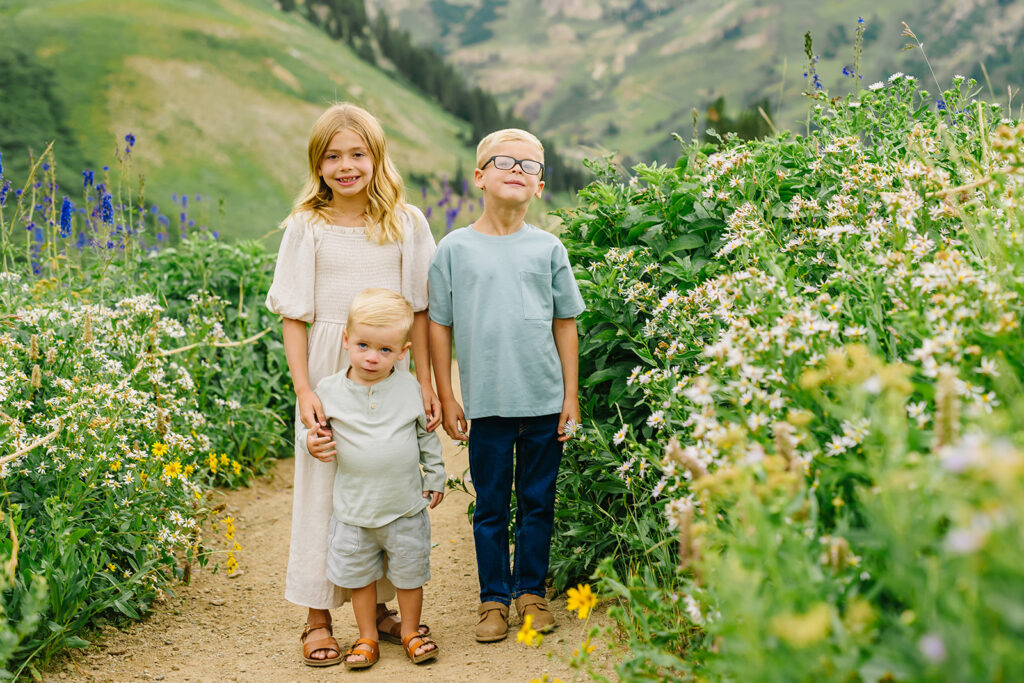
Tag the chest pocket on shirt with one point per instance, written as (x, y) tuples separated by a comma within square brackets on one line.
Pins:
[(536, 293)]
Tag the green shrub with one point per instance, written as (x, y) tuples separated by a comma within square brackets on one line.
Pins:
[(780, 473)]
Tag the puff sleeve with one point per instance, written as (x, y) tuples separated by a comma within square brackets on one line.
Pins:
[(417, 251), (291, 293)]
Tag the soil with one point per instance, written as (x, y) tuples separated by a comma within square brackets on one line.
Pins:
[(240, 628)]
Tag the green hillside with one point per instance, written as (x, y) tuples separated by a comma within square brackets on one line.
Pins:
[(622, 75), (220, 95)]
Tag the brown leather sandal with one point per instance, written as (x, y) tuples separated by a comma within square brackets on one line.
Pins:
[(410, 644), (372, 654), (328, 643), (394, 633)]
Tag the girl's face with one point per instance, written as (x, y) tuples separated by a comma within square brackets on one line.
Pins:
[(347, 166)]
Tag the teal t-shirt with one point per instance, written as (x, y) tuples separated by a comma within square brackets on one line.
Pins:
[(500, 294)]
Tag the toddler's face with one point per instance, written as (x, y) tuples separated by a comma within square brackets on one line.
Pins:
[(373, 351)]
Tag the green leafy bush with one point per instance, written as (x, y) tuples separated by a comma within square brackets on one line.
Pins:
[(136, 372), (789, 474)]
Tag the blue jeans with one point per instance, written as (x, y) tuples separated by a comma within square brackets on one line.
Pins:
[(526, 451)]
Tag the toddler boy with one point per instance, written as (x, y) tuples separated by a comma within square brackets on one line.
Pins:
[(376, 419), (507, 291)]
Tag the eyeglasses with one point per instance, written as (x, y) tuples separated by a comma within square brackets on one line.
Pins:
[(506, 163)]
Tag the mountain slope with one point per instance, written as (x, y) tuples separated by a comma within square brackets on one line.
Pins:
[(623, 74), (220, 94)]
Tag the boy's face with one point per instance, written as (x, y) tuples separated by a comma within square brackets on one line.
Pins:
[(373, 351), (512, 186)]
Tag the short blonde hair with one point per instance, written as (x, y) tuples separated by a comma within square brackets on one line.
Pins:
[(379, 307), (483, 150)]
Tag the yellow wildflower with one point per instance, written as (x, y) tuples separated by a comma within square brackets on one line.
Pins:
[(188, 470), (527, 635), (211, 461), (229, 527), (802, 630), (236, 467), (159, 449), (172, 470), (581, 600), (115, 466), (224, 459), (585, 648), (232, 563), (111, 567)]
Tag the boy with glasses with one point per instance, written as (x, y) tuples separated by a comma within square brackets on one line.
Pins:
[(507, 291)]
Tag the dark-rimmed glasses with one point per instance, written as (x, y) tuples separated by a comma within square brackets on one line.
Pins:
[(507, 163)]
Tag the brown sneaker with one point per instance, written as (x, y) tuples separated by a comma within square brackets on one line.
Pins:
[(528, 603), (493, 624)]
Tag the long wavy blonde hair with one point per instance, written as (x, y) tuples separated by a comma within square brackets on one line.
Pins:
[(386, 190)]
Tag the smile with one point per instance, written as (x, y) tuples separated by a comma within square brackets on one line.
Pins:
[(348, 180)]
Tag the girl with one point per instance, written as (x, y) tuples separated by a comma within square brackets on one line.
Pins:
[(349, 229)]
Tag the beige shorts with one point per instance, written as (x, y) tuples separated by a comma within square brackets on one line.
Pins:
[(358, 556)]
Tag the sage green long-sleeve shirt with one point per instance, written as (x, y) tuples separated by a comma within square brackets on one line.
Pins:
[(382, 444)]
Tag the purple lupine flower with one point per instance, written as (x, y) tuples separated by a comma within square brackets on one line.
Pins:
[(216, 234), (87, 178), (199, 197), (1, 164), (130, 139), (423, 191), (46, 166), (184, 201), (429, 211), (107, 209), (940, 104), (4, 189), (66, 208)]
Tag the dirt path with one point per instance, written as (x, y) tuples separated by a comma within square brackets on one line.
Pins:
[(241, 629)]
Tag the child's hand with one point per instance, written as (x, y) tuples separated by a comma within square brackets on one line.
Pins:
[(311, 412), (435, 498), (320, 445), (569, 420), (454, 420), (432, 407)]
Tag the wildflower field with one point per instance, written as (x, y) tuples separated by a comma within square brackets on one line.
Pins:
[(802, 361), (136, 373), (801, 455)]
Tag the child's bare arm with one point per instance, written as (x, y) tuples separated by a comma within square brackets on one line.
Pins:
[(453, 417), (421, 358), (567, 343), (295, 341)]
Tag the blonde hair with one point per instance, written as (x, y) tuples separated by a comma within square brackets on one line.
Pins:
[(386, 192), (379, 307), (505, 135)]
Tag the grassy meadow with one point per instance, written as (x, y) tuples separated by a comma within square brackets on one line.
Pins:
[(220, 96)]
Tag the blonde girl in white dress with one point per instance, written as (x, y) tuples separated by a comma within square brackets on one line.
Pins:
[(350, 229)]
